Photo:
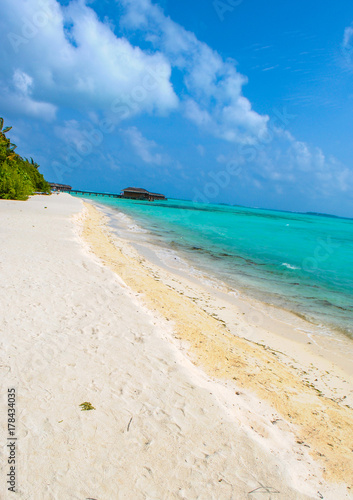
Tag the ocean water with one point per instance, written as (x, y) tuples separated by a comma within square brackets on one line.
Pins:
[(299, 262)]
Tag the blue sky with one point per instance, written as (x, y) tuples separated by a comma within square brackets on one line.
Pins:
[(235, 101)]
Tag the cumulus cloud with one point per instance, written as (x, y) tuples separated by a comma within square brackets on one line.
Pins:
[(16, 97), (214, 86), (24, 105), (71, 58), (312, 170), (286, 164), (196, 114)]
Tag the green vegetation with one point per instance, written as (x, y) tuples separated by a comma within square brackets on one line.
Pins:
[(19, 178), (86, 406)]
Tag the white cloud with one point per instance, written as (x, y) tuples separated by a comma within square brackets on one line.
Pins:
[(312, 170), (16, 97), (301, 155), (348, 37), (70, 58), (290, 164), (347, 47), (72, 132), (22, 81), (144, 147), (196, 114), (215, 100), (25, 105)]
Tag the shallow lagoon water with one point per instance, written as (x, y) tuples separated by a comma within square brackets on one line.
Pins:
[(299, 262)]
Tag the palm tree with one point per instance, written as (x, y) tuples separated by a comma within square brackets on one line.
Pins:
[(10, 147), (34, 163), (6, 129)]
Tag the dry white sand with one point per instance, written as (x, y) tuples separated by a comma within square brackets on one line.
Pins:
[(72, 331)]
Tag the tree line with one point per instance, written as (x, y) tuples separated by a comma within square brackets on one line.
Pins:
[(19, 177)]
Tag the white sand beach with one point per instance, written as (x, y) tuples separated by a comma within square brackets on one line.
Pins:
[(183, 407)]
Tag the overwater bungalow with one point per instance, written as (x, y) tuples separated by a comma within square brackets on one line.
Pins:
[(59, 187), (133, 193)]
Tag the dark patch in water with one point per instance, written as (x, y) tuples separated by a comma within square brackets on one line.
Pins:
[(221, 209), (318, 214), (327, 303)]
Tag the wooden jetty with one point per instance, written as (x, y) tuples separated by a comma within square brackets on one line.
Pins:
[(94, 193), (128, 193)]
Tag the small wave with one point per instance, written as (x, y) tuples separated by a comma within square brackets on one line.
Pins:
[(136, 229), (289, 266)]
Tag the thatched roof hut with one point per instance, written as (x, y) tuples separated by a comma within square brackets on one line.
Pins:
[(134, 193), (59, 187)]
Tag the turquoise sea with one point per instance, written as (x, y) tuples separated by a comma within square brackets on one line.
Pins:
[(299, 262)]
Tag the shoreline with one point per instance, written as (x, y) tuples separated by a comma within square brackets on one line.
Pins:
[(336, 348), (308, 298), (272, 376), (183, 407)]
